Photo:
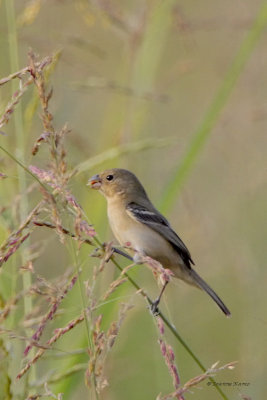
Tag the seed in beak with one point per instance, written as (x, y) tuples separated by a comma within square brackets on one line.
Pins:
[(95, 182)]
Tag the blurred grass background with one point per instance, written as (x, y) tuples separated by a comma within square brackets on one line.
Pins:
[(147, 72)]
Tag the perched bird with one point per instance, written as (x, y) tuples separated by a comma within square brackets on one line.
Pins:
[(133, 219)]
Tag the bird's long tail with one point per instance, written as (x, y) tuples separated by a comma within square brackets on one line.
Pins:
[(203, 285)]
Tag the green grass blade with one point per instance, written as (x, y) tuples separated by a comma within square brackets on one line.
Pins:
[(124, 149)]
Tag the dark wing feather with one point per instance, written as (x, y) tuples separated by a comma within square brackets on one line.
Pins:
[(152, 218)]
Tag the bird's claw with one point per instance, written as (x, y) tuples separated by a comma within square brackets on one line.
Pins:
[(154, 307)]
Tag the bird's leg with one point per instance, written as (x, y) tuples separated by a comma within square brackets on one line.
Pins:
[(154, 305), (122, 253)]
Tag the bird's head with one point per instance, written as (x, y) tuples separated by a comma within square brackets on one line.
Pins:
[(117, 182)]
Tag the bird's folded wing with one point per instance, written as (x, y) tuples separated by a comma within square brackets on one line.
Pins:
[(152, 218)]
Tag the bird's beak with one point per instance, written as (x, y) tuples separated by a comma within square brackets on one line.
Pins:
[(95, 182)]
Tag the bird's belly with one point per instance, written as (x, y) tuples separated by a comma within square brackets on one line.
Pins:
[(146, 241)]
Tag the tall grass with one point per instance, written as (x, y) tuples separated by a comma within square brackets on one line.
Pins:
[(66, 297)]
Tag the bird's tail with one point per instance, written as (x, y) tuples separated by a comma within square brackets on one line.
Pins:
[(203, 285)]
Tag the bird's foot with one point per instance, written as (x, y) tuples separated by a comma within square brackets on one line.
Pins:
[(138, 257), (154, 307)]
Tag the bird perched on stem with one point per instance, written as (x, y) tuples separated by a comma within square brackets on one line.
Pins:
[(133, 219)]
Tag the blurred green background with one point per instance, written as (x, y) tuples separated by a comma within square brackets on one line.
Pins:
[(140, 77)]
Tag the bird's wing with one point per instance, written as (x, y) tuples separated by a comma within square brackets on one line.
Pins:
[(152, 218)]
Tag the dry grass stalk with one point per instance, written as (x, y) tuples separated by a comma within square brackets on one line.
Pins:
[(118, 282), (23, 86), (50, 314), (169, 357), (58, 333), (102, 344), (196, 381), (15, 240)]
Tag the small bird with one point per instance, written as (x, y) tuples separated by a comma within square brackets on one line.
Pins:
[(133, 219)]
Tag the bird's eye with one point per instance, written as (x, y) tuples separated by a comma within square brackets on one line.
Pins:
[(109, 177)]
